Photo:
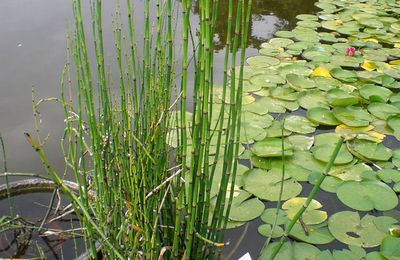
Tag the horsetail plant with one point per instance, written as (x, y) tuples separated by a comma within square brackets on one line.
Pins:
[(152, 197)]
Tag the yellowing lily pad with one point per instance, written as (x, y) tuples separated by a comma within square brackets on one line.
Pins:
[(310, 216), (321, 72)]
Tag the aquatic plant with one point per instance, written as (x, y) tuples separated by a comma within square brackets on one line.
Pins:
[(151, 171)]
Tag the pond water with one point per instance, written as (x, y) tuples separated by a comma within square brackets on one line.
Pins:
[(32, 55)]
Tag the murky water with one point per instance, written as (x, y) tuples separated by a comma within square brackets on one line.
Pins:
[(32, 55)]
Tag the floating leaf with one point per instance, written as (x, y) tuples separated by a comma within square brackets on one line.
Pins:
[(321, 72), (299, 124), (371, 150), (299, 83), (275, 130), (344, 75), (370, 90), (330, 183), (363, 132), (266, 230), (351, 173), (310, 216), (322, 116), (317, 234), (313, 98), (301, 142), (352, 116), (390, 247), (348, 228), (383, 111), (339, 97), (262, 61), (367, 195), (389, 175), (245, 209), (324, 154), (290, 250), (267, 185), (269, 216), (272, 147)]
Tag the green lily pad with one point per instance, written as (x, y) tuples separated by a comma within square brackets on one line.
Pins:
[(324, 154), (383, 111), (352, 172), (367, 195), (266, 230), (345, 61), (272, 147), (280, 42), (267, 185), (257, 107), (299, 124), (339, 97), (344, 75), (310, 216), (389, 175), (371, 150), (390, 247), (277, 130), (385, 223), (269, 216), (290, 251), (301, 142), (272, 105), (322, 116), (313, 98), (330, 183), (299, 83), (317, 234), (352, 116), (250, 133), (306, 160), (267, 80), (325, 84), (297, 69), (262, 61), (294, 171), (245, 209), (286, 94), (370, 90), (348, 228)]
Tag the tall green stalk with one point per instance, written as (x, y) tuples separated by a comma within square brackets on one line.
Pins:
[(151, 201)]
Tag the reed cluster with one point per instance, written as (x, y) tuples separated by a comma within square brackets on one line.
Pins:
[(153, 199)]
